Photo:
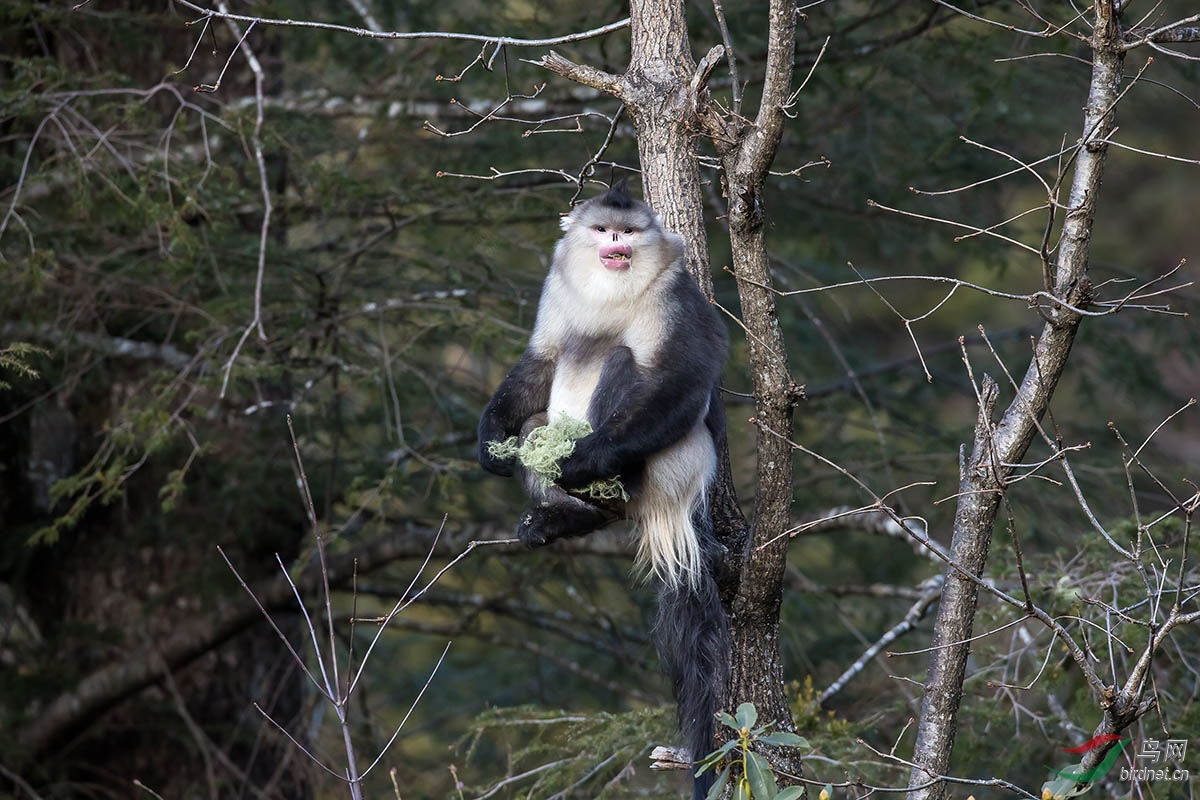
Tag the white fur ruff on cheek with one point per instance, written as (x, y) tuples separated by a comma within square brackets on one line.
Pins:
[(553, 323), (676, 481)]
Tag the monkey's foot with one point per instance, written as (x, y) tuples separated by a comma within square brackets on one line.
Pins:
[(541, 525)]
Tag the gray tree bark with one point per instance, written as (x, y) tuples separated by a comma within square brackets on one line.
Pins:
[(984, 474), (747, 151)]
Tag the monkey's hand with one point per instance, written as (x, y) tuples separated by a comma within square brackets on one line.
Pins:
[(592, 460), (491, 433)]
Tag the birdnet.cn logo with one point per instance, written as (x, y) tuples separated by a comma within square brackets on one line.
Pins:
[(1155, 760)]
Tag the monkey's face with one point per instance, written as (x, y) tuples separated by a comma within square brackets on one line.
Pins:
[(614, 245), (614, 239), (609, 256)]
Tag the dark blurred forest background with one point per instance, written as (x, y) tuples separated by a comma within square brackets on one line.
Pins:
[(155, 334)]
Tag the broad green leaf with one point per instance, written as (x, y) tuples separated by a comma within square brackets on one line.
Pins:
[(728, 721), (790, 793), (714, 758), (762, 779), (784, 739), (718, 786), (728, 746), (747, 715)]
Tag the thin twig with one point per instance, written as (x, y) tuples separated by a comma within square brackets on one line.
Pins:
[(366, 33)]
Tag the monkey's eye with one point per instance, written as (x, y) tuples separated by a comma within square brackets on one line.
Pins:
[(628, 230), (600, 229)]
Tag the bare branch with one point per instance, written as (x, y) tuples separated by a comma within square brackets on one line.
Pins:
[(932, 590), (1045, 33), (954, 223), (1166, 156), (1034, 299), (367, 33), (116, 680), (598, 79), (1179, 31), (412, 706), (873, 519)]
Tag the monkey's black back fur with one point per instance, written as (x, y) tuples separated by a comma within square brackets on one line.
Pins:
[(692, 637)]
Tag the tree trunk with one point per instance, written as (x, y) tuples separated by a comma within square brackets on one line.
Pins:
[(984, 476), (664, 102), (666, 94), (668, 98), (756, 673)]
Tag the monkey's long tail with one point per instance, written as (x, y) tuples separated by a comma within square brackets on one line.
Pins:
[(692, 635)]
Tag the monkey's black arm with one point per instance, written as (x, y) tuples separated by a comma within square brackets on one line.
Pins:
[(523, 393)]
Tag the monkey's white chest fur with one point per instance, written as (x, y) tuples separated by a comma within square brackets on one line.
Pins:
[(571, 392), (583, 316)]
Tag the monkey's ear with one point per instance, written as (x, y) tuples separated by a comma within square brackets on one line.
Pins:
[(674, 243), (565, 222)]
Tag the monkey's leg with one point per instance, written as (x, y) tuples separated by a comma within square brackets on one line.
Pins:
[(560, 516)]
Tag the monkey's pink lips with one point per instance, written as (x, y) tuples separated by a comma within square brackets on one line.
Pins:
[(616, 256)]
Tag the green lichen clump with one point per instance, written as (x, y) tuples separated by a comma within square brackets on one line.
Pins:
[(545, 448)]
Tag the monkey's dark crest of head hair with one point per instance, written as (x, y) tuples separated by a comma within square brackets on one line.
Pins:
[(618, 196)]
